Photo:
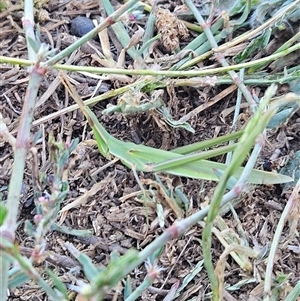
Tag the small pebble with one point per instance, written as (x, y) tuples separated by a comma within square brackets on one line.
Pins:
[(81, 25)]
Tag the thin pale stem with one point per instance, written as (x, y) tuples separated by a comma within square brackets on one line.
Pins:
[(4, 266), (220, 57), (21, 147), (252, 130), (140, 289), (271, 258), (236, 115), (22, 144), (193, 157), (28, 24), (189, 73)]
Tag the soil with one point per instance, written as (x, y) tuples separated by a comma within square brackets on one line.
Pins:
[(109, 201)]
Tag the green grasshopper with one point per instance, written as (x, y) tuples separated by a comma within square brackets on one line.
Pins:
[(180, 162)]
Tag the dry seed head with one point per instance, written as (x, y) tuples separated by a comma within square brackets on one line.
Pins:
[(43, 15), (170, 28), (182, 29)]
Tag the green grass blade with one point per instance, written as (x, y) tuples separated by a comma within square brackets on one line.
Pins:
[(187, 149), (101, 135), (120, 30), (144, 158)]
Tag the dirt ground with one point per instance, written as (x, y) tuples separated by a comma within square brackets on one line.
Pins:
[(109, 205)]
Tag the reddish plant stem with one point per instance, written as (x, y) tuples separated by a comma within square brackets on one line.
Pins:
[(21, 147), (7, 230)]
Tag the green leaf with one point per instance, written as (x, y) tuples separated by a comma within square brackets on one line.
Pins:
[(231, 181), (89, 268), (281, 117), (115, 271), (3, 5), (183, 198), (173, 123), (127, 287), (156, 254), (34, 45), (71, 231), (73, 145), (255, 45), (292, 168), (294, 294), (59, 285), (194, 272), (3, 213), (160, 215), (17, 278), (29, 228)]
